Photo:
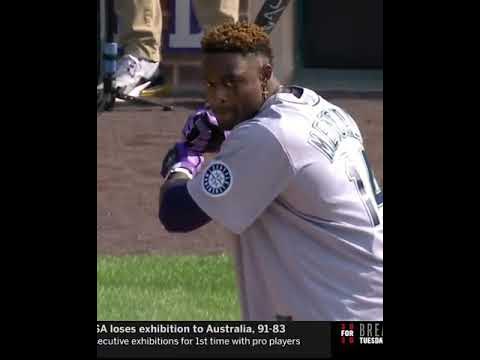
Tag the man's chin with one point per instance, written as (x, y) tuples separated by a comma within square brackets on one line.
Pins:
[(225, 127), (226, 124)]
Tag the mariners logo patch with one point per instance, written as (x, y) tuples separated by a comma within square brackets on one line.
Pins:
[(217, 179)]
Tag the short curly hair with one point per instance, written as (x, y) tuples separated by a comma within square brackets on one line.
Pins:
[(239, 37)]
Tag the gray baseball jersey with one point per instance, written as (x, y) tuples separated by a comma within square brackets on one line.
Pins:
[(295, 184)]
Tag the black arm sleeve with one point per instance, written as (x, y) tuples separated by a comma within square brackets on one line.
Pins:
[(178, 212)]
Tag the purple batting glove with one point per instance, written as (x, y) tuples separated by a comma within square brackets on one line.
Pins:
[(181, 156), (202, 133)]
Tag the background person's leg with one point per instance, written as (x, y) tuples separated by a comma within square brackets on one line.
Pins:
[(215, 12), (140, 33), (141, 28)]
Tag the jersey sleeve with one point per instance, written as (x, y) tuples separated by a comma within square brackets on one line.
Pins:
[(250, 171)]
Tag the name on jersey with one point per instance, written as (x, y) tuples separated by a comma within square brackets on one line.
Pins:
[(329, 129)]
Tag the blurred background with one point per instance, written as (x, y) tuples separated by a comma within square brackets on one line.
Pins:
[(322, 44)]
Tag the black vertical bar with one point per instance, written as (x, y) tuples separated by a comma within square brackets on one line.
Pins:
[(110, 12), (110, 38)]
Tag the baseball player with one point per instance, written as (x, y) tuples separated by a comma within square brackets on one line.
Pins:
[(290, 177)]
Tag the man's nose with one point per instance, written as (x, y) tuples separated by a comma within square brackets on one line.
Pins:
[(220, 95)]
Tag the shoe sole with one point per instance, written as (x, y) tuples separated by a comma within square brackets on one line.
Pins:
[(138, 89)]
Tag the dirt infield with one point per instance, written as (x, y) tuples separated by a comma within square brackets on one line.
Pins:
[(131, 142)]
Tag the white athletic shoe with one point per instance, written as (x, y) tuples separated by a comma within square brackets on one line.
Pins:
[(133, 74)]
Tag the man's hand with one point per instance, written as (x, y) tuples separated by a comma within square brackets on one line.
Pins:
[(202, 133), (182, 158)]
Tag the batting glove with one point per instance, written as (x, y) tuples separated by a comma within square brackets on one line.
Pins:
[(202, 133), (182, 158)]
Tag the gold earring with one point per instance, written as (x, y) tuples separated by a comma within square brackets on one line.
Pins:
[(265, 91)]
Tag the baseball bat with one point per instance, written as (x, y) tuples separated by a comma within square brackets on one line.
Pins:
[(270, 13)]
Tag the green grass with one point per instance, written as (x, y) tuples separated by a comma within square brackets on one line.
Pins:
[(168, 288)]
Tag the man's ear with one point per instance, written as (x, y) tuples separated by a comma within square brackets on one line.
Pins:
[(266, 72)]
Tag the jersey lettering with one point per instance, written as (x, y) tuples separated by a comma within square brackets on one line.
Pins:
[(329, 129), (370, 204)]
